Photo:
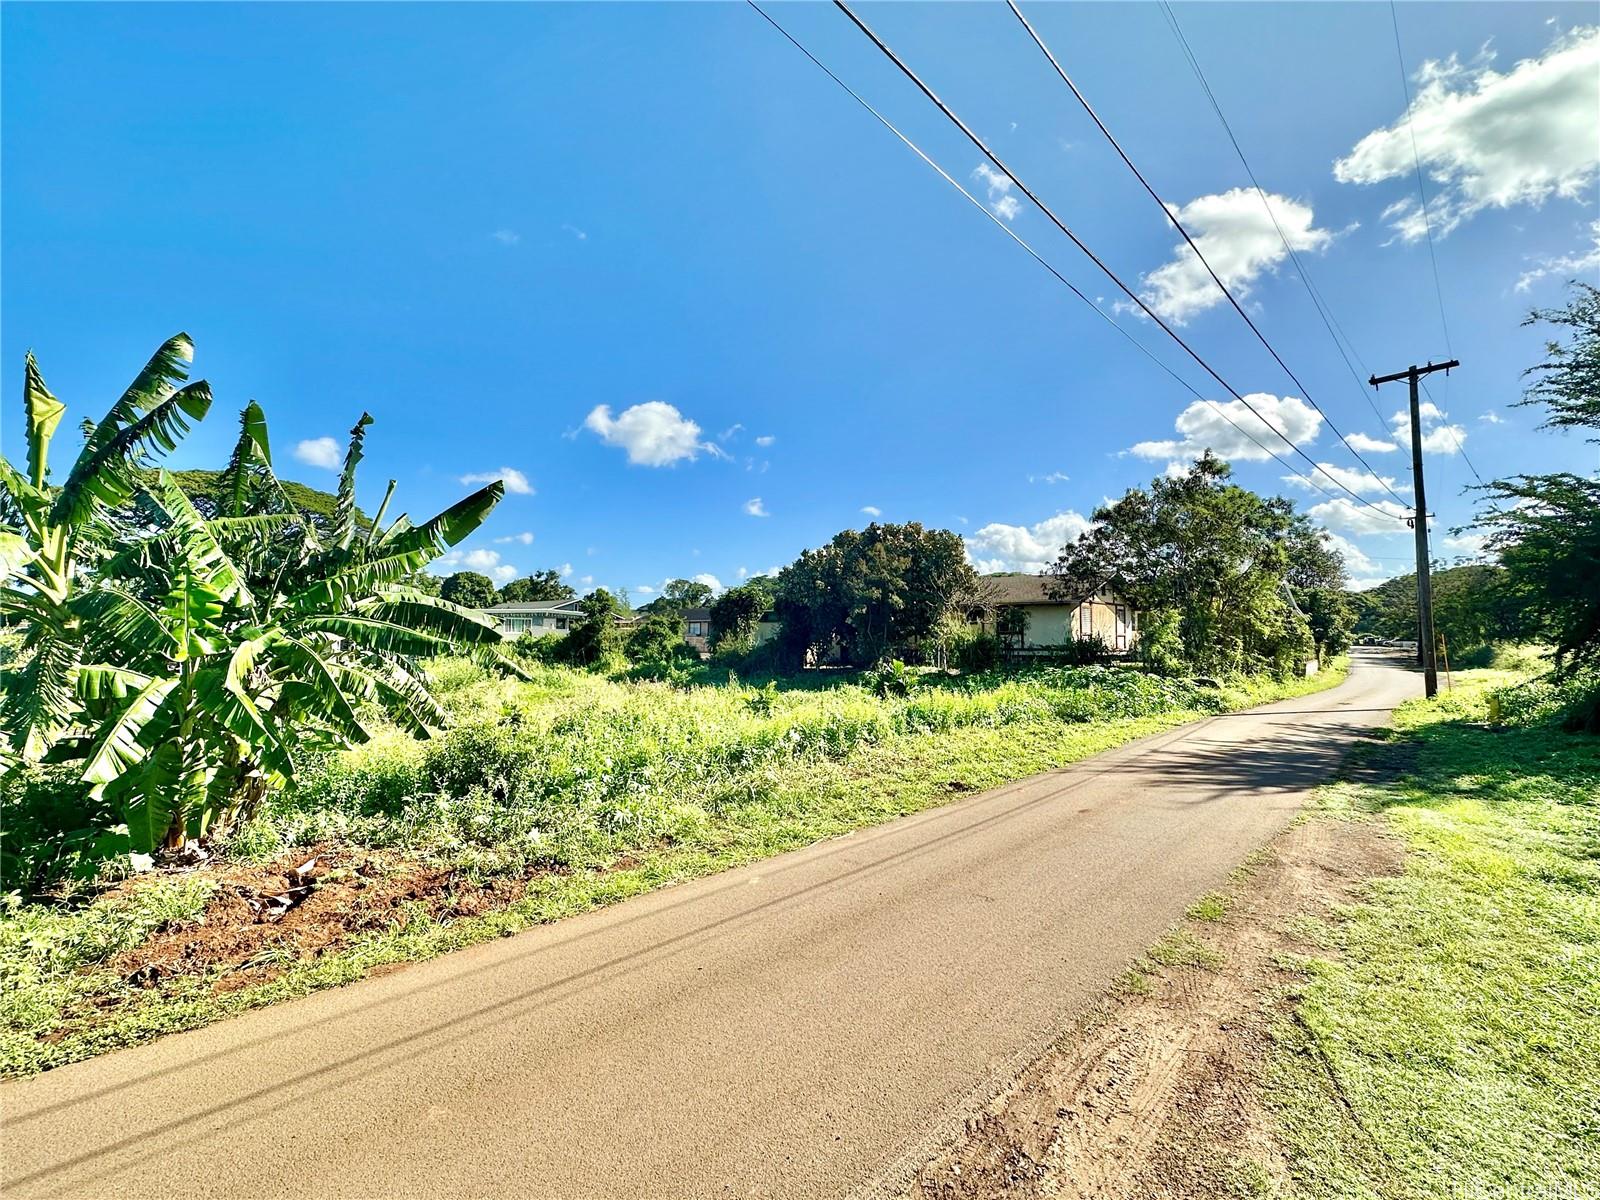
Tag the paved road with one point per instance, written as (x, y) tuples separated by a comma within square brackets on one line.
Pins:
[(808, 1026)]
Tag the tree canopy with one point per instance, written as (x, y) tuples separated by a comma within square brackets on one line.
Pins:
[(869, 591), (1546, 528), (469, 589), (1238, 580), (541, 585)]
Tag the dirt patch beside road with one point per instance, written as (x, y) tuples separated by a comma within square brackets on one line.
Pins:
[(263, 918), (1156, 1094)]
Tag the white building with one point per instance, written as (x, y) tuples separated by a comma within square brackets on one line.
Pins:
[(542, 618)]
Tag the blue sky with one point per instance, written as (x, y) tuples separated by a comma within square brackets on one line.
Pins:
[(653, 261)]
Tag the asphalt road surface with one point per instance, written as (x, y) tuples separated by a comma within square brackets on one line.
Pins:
[(811, 1025)]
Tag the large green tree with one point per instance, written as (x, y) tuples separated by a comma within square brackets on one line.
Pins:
[(469, 589), (871, 591), (541, 585), (1546, 527), (595, 638), (1231, 573), (184, 660)]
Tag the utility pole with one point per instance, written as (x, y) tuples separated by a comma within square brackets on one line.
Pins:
[(1419, 524)]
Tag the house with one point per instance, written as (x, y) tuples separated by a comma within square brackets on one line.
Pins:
[(542, 618), (1047, 619), (697, 628)]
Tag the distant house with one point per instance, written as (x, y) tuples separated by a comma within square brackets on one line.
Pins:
[(697, 628), (542, 618), (1048, 620)]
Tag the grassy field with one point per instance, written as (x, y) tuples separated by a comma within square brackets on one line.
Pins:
[(1449, 1044), (545, 799)]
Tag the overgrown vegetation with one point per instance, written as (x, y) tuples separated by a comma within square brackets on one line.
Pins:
[(554, 794), (1449, 1044)]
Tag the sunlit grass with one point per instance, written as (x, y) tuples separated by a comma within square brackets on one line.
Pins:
[(1449, 1044)]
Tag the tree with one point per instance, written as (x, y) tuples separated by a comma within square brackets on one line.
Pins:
[(541, 585), (186, 660), (687, 593), (1223, 560), (596, 639), (469, 589), (656, 639), (869, 591), (735, 615), (1546, 528)]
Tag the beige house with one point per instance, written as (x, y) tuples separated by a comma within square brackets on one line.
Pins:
[(1048, 620)]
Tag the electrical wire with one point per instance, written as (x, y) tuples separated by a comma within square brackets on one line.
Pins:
[(1198, 253), (1330, 322), (1094, 258), (1037, 257)]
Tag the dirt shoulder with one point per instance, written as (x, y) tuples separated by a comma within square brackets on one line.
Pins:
[(1157, 1093)]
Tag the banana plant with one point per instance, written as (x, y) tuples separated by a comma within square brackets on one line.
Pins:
[(199, 656)]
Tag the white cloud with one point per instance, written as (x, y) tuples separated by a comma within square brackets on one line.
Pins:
[(485, 561), (742, 572), (1492, 418), (1469, 545), (711, 581), (1567, 266), (524, 537), (644, 589), (755, 508), (1201, 427), (1032, 548), (872, 510), (1438, 435), (575, 232), (586, 580), (1370, 445), (655, 434), (1001, 201), (765, 439), (1490, 140), (1235, 232), (1357, 564), (514, 480), (1360, 482), (319, 452), (1343, 515), (565, 570), (506, 237), (1053, 477)]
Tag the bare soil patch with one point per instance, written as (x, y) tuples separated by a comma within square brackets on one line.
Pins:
[(1156, 1093), (305, 904)]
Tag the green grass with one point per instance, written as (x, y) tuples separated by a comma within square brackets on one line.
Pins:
[(1450, 1044), (575, 772)]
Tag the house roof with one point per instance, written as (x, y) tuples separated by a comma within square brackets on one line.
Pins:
[(696, 614), (1023, 589), (522, 608)]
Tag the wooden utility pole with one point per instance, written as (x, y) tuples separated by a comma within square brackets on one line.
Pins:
[(1419, 523)]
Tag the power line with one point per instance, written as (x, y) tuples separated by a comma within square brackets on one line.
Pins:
[(1455, 441), (1198, 253), (1324, 310), (1037, 257), (1092, 256), (1422, 191)]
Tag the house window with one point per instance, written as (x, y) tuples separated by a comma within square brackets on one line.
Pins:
[(561, 622), (1122, 626), (1085, 619), (536, 622), (698, 629)]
